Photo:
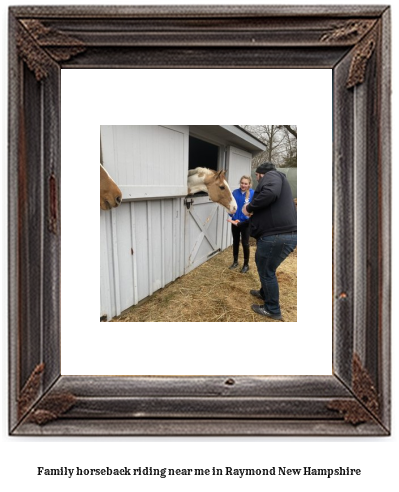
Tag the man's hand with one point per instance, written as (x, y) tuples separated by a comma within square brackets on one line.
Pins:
[(244, 211)]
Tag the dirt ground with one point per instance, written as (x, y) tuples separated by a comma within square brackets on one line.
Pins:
[(212, 292)]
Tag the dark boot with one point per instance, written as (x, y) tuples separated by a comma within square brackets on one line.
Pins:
[(234, 265), (245, 267), (257, 293)]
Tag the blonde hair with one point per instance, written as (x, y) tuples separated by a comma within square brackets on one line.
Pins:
[(250, 183)]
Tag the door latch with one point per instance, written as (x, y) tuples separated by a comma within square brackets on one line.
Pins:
[(188, 202)]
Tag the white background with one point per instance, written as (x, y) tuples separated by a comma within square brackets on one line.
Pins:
[(377, 457), (93, 97)]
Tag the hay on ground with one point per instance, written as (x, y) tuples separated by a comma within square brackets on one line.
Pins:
[(212, 292)]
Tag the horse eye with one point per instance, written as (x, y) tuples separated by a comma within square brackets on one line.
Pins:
[(222, 187)]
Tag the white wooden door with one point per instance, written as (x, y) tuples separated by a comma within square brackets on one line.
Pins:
[(201, 239), (205, 227), (238, 164)]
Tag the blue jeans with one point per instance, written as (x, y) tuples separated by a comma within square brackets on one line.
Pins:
[(271, 251)]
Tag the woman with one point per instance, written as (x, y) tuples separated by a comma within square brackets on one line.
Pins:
[(240, 223)]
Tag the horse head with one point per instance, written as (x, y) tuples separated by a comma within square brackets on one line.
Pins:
[(219, 191), (110, 194)]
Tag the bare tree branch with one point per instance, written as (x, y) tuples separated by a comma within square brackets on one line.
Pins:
[(280, 142), (290, 129)]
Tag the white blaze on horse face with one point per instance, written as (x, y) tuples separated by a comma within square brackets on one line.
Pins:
[(228, 201), (232, 208), (110, 194)]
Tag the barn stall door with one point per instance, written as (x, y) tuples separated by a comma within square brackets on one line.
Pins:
[(238, 164), (205, 226), (141, 251), (146, 161)]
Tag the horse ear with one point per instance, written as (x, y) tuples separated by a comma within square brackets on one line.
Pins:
[(220, 174)]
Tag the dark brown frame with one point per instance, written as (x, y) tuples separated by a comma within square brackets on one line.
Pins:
[(353, 41)]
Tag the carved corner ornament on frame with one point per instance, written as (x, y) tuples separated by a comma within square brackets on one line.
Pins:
[(354, 43)]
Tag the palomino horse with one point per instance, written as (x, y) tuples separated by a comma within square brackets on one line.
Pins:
[(213, 183), (110, 194)]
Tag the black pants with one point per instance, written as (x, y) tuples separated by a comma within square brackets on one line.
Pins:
[(241, 231)]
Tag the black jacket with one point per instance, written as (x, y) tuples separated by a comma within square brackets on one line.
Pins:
[(272, 206)]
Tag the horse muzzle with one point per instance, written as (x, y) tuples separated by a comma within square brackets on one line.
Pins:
[(232, 207), (107, 204)]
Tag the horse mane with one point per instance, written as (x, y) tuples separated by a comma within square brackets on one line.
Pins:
[(199, 170)]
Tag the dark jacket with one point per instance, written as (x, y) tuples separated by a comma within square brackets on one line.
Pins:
[(272, 206)]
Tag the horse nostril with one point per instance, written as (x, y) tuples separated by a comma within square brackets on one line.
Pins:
[(118, 200)]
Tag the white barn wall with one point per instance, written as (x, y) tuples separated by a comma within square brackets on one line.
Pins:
[(147, 161), (239, 164)]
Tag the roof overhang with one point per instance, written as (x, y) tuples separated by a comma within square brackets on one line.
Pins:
[(232, 135)]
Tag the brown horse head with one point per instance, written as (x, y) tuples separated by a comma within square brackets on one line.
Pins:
[(219, 191), (110, 194)]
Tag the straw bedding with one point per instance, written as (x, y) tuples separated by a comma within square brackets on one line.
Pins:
[(212, 292)]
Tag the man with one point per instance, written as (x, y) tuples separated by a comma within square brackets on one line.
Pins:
[(273, 224)]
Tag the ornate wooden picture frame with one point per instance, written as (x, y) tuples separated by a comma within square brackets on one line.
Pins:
[(353, 42)]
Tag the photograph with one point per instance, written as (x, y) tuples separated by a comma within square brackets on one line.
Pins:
[(177, 240)]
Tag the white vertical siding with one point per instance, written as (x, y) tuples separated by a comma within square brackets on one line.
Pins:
[(226, 236), (109, 266), (146, 161), (239, 163), (106, 272), (142, 245), (141, 251)]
